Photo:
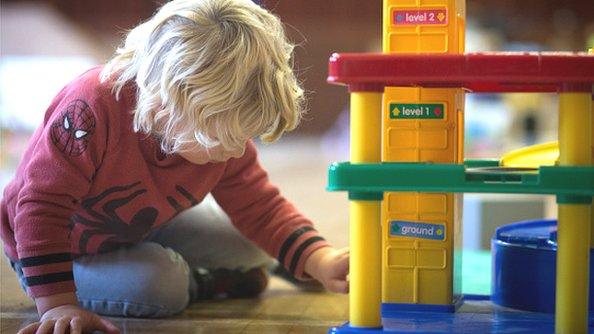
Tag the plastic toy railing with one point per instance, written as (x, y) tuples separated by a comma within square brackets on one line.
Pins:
[(571, 75)]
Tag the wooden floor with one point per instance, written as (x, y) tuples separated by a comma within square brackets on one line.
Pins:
[(299, 169), (282, 309)]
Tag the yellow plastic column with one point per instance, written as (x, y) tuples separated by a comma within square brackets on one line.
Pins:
[(575, 133), (591, 51), (365, 228)]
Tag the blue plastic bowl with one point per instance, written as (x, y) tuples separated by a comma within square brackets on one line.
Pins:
[(524, 266)]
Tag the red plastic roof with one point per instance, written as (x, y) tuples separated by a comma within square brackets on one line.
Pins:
[(475, 72)]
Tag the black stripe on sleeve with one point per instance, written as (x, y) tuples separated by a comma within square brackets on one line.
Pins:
[(300, 251), (187, 195), (175, 204), (290, 241), (45, 259), (49, 278)]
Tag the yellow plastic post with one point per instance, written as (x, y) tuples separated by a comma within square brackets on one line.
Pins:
[(573, 235), (365, 228), (366, 131), (591, 51), (365, 267)]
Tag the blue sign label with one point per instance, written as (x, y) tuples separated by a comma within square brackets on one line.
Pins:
[(417, 230)]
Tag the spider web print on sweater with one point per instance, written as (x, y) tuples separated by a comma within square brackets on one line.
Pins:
[(105, 229), (108, 225), (73, 129)]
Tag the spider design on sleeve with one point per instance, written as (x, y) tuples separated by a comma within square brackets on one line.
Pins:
[(106, 221), (72, 131), (186, 194)]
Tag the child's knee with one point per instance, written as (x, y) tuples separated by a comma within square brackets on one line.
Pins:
[(146, 280), (165, 281)]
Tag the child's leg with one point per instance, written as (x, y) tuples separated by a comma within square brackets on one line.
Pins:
[(223, 261), (146, 280), (205, 237)]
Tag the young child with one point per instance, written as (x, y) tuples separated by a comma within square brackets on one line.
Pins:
[(91, 223)]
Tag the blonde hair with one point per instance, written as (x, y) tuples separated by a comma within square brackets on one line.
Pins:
[(209, 72)]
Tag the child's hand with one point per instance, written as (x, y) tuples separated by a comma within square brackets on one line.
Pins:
[(330, 266), (69, 319)]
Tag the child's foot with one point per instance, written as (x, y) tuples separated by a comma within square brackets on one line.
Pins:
[(231, 283)]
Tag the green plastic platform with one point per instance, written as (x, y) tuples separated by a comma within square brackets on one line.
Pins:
[(570, 184)]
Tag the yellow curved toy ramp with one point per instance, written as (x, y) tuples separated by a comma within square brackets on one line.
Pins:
[(546, 154)]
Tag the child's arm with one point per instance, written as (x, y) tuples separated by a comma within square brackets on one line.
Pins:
[(46, 303), (263, 215), (330, 266), (61, 313), (62, 160)]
